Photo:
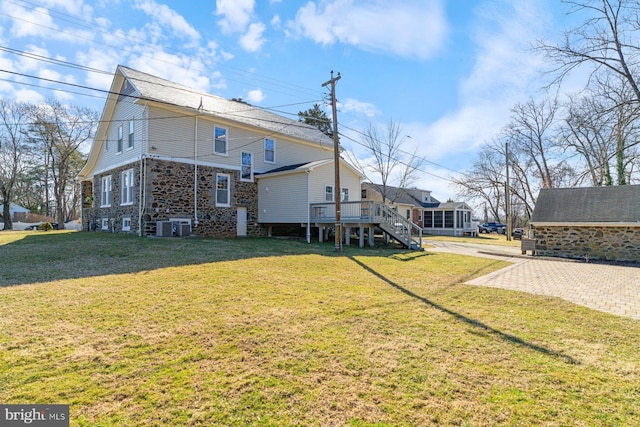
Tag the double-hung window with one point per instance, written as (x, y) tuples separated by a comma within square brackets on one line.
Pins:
[(344, 197), (131, 133), (222, 189), (246, 173), (127, 187), (105, 200), (269, 150), (119, 150), (328, 193), (220, 140), (126, 224)]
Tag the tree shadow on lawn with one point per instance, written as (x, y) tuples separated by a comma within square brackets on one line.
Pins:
[(473, 322), (36, 257)]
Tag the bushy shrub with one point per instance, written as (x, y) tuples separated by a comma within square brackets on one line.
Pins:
[(46, 226)]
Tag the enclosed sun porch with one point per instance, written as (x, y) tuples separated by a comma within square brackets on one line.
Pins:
[(449, 219)]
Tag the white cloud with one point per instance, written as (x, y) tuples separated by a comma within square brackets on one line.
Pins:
[(74, 7), (350, 105), (255, 96), (275, 22), (252, 41), (410, 29), (505, 72), (236, 15), (169, 19)]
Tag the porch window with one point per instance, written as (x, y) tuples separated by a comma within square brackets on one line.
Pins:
[(105, 200), (345, 195), (127, 187), (222, 190), (428, 219), (437, 219), (328, 193), (269, 150), (448, 219), (247, 166), (220, 140)]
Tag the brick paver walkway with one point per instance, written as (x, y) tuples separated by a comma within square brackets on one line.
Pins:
[(611, 288)]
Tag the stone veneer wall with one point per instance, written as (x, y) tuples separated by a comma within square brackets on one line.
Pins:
[(589, 242), (93, 213), (169, 194)]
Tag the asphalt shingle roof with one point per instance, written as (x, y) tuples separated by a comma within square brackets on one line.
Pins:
[(164, 91), (588, 205)]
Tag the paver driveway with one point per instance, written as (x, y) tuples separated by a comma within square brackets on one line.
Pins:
[(611, 288)]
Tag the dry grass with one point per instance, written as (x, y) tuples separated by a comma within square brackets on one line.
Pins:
[(142, 332)]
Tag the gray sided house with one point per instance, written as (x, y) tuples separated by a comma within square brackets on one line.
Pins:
[(166, 152), (589, 223)]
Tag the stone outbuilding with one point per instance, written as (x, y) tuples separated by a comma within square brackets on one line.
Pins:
[(592, 223)]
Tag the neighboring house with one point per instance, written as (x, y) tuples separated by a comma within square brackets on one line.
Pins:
[(449, 219), (166, 152), (588, 223), (434, 217), (17, 212)]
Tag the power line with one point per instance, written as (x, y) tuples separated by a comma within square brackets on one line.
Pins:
[(108, 31)]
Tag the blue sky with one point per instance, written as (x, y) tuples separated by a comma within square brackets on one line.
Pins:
[(447, 71)]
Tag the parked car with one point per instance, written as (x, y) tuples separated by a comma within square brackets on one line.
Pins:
[(517, 233), (490, 227)]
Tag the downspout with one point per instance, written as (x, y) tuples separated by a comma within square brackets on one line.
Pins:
[(144, 149), (308, 206), (195, 175)]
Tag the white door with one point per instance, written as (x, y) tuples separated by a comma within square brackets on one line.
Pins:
[(242, 221)]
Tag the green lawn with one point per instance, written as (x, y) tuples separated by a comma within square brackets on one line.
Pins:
[(487, 239), (141, 331)]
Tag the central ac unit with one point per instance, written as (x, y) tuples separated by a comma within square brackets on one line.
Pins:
[(164, 229)]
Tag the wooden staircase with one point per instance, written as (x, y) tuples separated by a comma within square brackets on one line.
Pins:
[(399, 228)]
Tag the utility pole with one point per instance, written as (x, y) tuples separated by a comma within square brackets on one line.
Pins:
[(507, 193), (336, 161)]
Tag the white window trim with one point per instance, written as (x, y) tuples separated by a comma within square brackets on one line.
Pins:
[(131, 141), (333, 194), (226, 142), (250, 179), (265, 150), (104, 180), (125, 227), (104, 225), (123, 177), (119, 140), (228, 204)]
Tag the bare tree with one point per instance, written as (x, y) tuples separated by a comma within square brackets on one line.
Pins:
[(531, 133), (607, 39), (13, 149), (63, 130), (484, 182), (388, 160)]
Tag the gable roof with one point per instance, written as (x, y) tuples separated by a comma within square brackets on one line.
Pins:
[(153, 88), (304, 167), (611, 205), (149, 88), (399, 196)]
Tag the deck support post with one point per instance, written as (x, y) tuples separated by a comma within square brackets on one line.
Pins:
[(361, 235), (371, 236), (347, 235), (320, 234)]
